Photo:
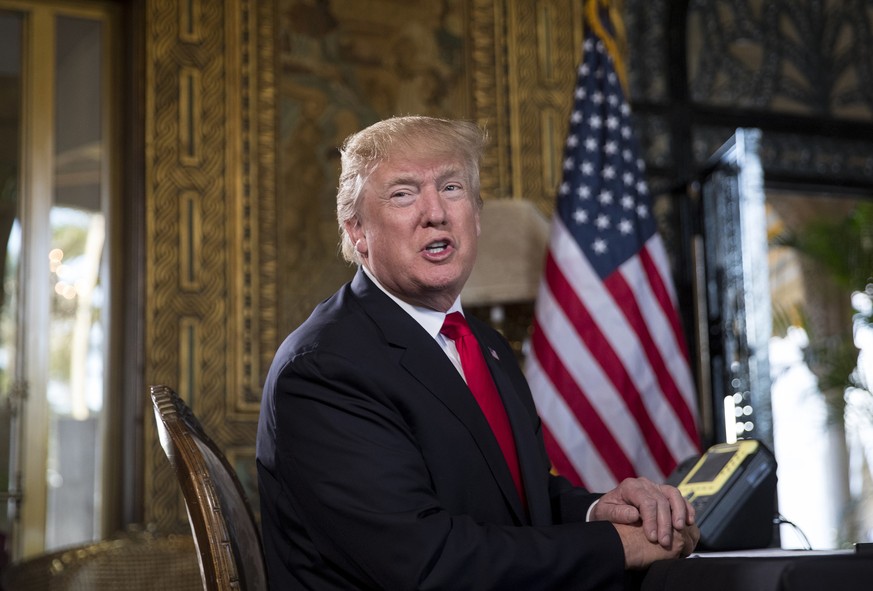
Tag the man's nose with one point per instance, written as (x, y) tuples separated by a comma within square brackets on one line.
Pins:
[(433, 207)]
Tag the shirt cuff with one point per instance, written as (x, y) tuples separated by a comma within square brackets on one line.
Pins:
[(588, 513)]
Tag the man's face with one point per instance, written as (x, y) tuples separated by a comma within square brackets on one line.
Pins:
[(417, 228)]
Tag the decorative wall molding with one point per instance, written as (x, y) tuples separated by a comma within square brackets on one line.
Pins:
[(524, 57), (211, 233)]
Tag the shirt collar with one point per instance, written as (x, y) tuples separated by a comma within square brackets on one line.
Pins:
[(430, 320)]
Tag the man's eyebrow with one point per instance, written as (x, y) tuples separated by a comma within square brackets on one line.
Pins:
[(411, 179), (453, 171), (401, 179)]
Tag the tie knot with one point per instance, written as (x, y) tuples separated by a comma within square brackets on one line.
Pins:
[(455, 326)]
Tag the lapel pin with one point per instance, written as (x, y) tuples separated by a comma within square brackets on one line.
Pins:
[(494, 354)]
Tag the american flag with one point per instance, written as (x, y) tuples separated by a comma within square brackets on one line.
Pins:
[(608, 364)]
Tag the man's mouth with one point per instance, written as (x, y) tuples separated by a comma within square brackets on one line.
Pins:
[(437, 247)]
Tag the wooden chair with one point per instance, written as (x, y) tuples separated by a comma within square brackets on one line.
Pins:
[(225, 532)]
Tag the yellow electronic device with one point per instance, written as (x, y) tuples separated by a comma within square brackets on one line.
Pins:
[(732, 488)]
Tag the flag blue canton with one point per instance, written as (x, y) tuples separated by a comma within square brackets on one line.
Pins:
[(603, 199)]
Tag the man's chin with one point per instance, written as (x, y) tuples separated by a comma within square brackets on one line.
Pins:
[(438, 295)]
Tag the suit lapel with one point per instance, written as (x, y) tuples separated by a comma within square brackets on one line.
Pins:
[(425, 361), (524, 432)]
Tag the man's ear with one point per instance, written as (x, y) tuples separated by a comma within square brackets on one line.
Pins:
[(356, 234)]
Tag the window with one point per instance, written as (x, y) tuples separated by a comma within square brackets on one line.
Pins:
[(56, 184)]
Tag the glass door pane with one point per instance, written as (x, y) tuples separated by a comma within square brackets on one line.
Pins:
[(76, 327), (55, 166), (821, 278)]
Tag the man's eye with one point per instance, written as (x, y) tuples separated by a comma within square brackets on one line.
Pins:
[(454, 190), (402, 197)]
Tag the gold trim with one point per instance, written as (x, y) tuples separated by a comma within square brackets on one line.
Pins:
[(252, 163), (190, 239), (544, 46), (524, 56), (189, 21), (210, 221), (189, 116), (187, 270), (189, 359), (489, 89)]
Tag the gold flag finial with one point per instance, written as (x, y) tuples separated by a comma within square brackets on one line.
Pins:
[(613, 37)]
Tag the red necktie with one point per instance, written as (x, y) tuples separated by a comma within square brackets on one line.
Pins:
[(484, 391)]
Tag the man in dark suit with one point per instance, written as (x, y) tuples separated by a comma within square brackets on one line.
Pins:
[(377, 467)]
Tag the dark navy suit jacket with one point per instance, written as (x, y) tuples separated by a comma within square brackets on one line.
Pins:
[(377, 469)]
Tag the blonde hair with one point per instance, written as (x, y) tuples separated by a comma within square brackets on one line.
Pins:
[(363, 151)]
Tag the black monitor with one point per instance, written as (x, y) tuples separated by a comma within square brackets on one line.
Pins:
[(733, 490)]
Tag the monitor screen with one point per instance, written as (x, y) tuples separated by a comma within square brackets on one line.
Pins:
[(712, 465)]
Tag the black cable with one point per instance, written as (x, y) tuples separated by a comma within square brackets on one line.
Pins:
[(779, 519)]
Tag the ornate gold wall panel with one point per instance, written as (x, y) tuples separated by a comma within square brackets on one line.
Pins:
[(247, 102), (524, 57), (211, 223)]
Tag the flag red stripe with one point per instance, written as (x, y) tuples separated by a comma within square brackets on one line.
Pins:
[(662, 293), (578, 402), (612, 366), (625, 300), (560, 462), (576, 444), (673, 394)]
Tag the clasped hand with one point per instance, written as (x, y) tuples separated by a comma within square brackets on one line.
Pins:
[(653, 521)]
